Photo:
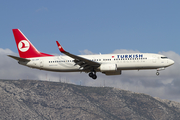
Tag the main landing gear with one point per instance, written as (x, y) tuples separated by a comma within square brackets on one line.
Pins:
[(93, 75)]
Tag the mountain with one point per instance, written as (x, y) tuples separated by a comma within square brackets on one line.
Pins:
[(42, 100)]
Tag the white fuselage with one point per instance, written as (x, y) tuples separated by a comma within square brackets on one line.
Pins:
[(109, 64), (129, 61)]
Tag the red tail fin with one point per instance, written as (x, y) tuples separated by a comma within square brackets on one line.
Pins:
[(25, 47)]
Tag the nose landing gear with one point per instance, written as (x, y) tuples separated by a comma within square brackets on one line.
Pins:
[(93, 75), (157, 73)]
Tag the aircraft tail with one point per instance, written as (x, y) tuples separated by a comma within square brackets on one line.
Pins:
[(25, 47)]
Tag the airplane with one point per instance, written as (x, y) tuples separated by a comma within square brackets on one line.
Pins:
[(109, 64)]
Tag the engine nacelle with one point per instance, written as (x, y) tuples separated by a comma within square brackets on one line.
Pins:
[(108, 67)]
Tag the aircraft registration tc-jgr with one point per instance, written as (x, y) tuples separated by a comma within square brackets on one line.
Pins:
[(109, 64)]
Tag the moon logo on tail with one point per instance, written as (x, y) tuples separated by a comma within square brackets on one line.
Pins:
[(23, 45)]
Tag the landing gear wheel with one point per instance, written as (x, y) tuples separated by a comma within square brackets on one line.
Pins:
[(90, 74), (157, 73), (94, 76)]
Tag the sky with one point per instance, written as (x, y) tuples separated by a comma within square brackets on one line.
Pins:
[(93, 27)]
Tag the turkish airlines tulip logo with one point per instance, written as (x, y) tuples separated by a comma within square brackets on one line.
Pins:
[(23, 45)]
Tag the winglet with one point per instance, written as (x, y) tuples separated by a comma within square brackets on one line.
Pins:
[(60, 47)]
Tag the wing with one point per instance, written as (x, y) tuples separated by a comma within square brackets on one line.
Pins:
[(85, 64)]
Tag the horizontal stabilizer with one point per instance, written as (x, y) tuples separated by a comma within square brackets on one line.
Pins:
[(19, 59)]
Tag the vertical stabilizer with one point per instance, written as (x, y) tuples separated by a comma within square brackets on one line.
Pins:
[(25, 47)]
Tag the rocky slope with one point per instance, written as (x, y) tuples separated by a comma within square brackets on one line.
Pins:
[(40, 100)]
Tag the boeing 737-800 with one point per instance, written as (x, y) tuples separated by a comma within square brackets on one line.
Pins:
[(109, 64)]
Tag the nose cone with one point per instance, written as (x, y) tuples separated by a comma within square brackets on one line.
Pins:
[(171, 62)]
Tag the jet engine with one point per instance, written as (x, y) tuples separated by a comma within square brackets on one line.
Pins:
[(108, 67)]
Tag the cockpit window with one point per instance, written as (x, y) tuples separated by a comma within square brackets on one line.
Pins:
[(164, 57)]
